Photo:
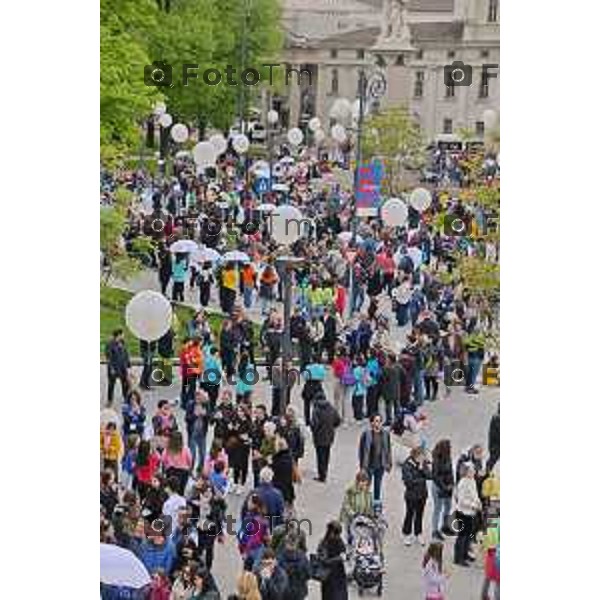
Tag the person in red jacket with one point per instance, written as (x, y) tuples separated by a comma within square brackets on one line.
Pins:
[(191, 362)]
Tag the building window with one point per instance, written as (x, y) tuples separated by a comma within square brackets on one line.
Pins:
[(333, 54), (485, 54), (492, 11), (419, 84), (449, 91), (451, 54), (420, 55), (360, 54), (334, 81), (479, 128), (484, 86), (400, 60), (447, 125)]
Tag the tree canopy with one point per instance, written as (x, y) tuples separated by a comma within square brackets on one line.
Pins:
[(135, 33)]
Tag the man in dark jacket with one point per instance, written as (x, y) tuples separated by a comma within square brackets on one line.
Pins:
[(375, 453), (324, 421), (494, 441), (272, 579), (294, 562), (117, 362), (390, 388), (329, 334)]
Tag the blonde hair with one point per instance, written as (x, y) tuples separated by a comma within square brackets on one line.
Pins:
[(247, 586)]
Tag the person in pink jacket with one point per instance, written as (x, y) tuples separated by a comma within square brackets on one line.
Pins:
[(434, 578)]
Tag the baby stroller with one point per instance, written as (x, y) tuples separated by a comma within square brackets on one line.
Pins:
[(366, 553)]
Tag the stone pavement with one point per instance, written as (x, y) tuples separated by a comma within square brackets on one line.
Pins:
[(461, 418)]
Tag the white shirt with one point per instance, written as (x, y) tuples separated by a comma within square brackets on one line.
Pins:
[(467, 499), (173, 505)]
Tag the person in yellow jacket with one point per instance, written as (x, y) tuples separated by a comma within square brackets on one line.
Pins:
[(229, 286), (111, 448)]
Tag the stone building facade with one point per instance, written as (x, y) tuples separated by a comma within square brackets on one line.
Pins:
[(336, 39)]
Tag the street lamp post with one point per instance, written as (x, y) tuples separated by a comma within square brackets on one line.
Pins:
[(272, 119), (286, 265), (369, 89)]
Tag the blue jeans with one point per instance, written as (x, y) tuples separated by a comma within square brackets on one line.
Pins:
[(248, 296), (358, 297), (377, 476), (402, 315), (418, 385), (198, 449), (441, 509), (473, 367)]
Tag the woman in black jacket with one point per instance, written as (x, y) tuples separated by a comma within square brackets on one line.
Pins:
[(415, 473), (443, 485), (283, 469), (237, 445), (329, 551)]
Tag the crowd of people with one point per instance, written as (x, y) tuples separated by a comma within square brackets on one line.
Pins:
[(167, 478)]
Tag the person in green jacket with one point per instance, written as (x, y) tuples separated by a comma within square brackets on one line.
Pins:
[(358, 500)]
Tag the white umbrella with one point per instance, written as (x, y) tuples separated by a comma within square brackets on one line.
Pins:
[(287, 160), (205, 255), (236, 256), (266, 207), (121, 567), (184, 246), (346, 236)]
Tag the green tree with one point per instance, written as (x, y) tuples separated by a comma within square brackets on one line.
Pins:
[(395, 137), (113, 223), (125, 27)]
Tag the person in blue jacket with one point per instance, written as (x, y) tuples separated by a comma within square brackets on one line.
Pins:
[(157, 552), (179, 275)]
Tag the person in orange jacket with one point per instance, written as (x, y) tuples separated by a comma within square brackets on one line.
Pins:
[(191, 362)]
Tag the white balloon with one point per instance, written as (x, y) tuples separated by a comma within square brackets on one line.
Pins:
[(394, 212), (490, 118), (341, 110), (219, 143), (204, 154), (179, 133), (272, 117), (420, 199), (295, 136), (241, 143), (148, 315), (314, 124), (285, 224), (165, 120), (160, 108), (319, 136), (338, 133)]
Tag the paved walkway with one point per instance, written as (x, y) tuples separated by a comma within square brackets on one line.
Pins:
[(462, 418)]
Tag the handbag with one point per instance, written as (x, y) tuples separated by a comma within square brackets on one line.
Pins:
[(348, 377), (318, 570)]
